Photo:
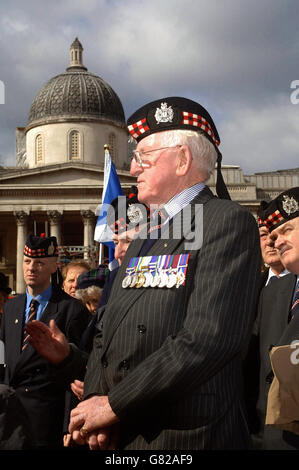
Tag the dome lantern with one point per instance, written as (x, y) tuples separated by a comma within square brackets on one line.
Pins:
[(76, 56)]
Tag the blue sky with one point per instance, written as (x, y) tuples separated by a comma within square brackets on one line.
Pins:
[(235, 57)]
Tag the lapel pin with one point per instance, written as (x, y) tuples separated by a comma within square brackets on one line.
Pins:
[(16, 320)]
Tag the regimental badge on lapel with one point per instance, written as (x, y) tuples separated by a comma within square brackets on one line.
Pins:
[(164, 114), (290, 205)]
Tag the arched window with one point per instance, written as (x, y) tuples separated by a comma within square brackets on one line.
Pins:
[(74, 147), (112, 146), (38, 149)]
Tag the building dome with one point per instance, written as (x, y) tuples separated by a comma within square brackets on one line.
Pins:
[(76, 95)]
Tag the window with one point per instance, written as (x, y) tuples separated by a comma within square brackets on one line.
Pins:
[(74, 147), (38, 149)]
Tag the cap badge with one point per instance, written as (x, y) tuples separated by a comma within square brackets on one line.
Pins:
[(164, 114), (134, 214), (51, 249), (290, 205)]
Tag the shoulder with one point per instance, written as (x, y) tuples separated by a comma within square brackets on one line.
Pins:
[(61, 297), (12, 303), (282, 289)]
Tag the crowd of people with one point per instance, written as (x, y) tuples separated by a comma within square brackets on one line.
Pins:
[(172, 349)]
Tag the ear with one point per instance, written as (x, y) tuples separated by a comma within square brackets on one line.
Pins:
[(184, 160)]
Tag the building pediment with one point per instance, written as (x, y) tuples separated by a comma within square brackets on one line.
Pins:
[(71, 174)]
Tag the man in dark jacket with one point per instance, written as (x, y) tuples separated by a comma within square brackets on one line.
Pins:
[(26, 371)]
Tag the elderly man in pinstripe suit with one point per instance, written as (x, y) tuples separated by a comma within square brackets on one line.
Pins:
[(165, 369)]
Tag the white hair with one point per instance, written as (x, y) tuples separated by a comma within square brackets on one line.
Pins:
[(85, 294), (203, 151)]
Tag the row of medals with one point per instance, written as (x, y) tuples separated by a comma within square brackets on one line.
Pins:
[(157, 279)]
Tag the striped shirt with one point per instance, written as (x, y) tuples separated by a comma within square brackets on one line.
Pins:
[(181, 200)]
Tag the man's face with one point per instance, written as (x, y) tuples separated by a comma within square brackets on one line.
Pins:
[(37, 272), (286, 241), (122, 242), (157, 181), (70, 284), (269, 253)]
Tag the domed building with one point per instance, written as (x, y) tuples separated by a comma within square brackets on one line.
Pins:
[(56, 186), (73, 116)]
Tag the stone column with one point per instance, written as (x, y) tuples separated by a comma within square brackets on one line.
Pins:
[(21, 219), (88, 218), (55, 224)]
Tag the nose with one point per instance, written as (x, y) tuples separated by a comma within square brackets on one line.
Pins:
[(278, 242), (135, 169), (270, 242)]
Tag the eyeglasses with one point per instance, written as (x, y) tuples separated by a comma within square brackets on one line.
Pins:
[(138, 155)]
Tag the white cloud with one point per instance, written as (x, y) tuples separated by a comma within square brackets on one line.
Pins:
[(262, 139)]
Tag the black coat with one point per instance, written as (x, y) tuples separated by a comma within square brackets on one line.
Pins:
[(273, 328), (29, 374), (170, 359)]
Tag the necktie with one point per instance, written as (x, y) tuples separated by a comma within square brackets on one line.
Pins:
[(32, 316), (155, 226), (272, 279), (295, 306)]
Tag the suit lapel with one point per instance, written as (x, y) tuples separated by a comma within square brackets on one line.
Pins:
[(291, 330), (16, 333), (162, 246), (49, 313)]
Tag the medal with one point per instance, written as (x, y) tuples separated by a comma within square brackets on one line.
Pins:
[(134, 280), (172, 280), (163, 280), (180, 278), (148, 279), (126, 282), (156, 279), (140, 281)]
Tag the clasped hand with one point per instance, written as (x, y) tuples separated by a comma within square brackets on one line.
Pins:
[(93, 422)]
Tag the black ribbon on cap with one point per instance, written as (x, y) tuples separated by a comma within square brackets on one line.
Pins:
[(221, 188)]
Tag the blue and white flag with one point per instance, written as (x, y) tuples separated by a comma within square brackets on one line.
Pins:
[(111, 190)]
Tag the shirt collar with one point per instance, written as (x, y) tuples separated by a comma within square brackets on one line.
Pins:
[(182, 199), (42, 298)]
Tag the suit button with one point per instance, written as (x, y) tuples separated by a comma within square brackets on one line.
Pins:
[(125, 365), (26, 389), (141, 328)]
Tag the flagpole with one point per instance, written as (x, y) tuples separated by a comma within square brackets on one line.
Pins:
[(111, 190), (101, 248)]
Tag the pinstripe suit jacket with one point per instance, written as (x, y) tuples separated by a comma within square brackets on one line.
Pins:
[(169, 359)]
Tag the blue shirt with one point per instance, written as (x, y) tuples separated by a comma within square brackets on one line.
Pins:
[(42, 299)]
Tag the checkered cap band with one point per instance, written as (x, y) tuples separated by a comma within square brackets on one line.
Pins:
[(273, 219), (188, 119), (200, 122), (138, 128), (38, 253)]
